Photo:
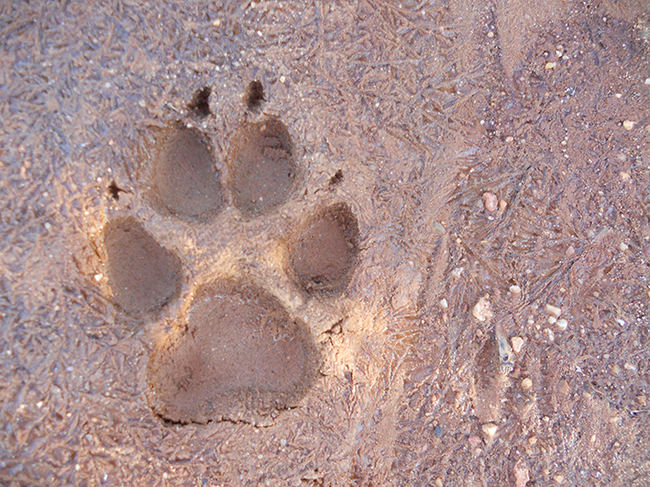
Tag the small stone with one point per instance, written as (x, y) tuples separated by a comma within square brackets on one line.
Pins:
[(514, 289), (439, 482), (647, 81), (444, 304), (642, 400), (490, 201), (98, 277), (549, 334), (526, 384), (628, 366), (517, 344), (553, 310), (502, 205), (625, 176), (481, 310), (550, 65), (562, 324), (489, 430), (490, 34), (283, 79), (521, 474), (552, 320), (509, 138), (558, 478), (623, 246), (628, 124), (532, 440)]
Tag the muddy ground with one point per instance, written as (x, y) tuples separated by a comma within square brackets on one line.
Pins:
[(450, 251)]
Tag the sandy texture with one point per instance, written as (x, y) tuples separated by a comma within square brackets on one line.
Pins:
[(408, 113)]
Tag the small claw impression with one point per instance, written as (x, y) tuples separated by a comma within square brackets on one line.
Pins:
[(239, 356)]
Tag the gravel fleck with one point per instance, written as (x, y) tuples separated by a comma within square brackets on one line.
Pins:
[(553, 310), (527, 384), (550, 65), (562, 324), (489, 430), (481, 310), (521, 474), (490, 201), (628, 124), (517, 344), (514, 289)]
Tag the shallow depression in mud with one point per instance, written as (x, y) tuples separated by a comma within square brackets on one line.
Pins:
[(143, 275), (183, 178), (238, 356), (262, 166), (324, 251)]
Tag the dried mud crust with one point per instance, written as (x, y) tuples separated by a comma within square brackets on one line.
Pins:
[(184, 180), (323, 252), (143, 276), (262, 166), (239, 353)]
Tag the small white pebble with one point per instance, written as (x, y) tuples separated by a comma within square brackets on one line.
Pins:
[(490, 34), (623, 246), (142, 103), (628, 124), (217, 23), (517, 344), (39, 404), (490, 201), (618, 95), (562, 324), (647, 81), (553, 310), (444, 304), (514, 289), (628, 366), (47, 225), (552, 320), (489, 429), (282, 79), (98, 277), (526, 384), (481, 310), (550, 65), (550, 334)]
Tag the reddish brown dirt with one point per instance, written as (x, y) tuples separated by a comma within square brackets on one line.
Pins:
[(408, 112)]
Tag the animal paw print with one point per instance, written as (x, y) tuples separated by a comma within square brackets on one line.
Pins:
[(234, 352)]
